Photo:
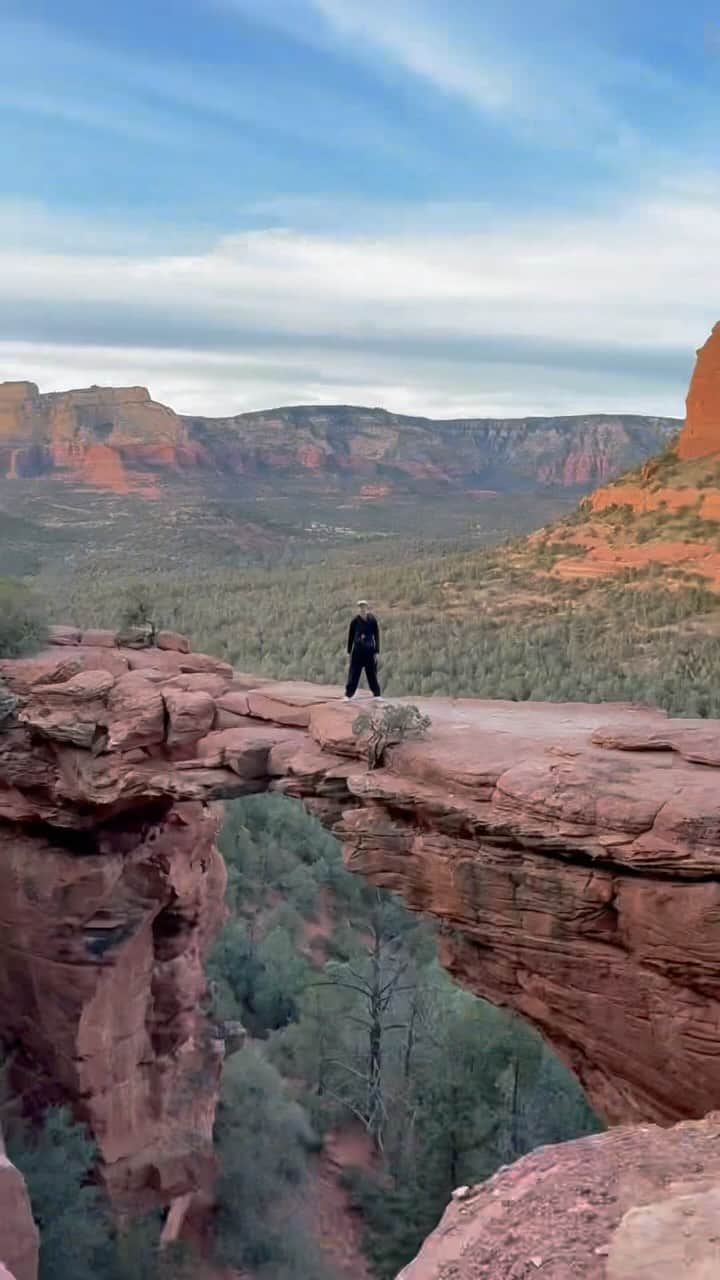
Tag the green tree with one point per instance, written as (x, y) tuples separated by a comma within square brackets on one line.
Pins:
[(23, 627), (57, 1162), (137, 605), (282, 976), (392, 725), (263, 1141)]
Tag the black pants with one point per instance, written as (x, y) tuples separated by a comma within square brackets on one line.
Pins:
[(362, 660)]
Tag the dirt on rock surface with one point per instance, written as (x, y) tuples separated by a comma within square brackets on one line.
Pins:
[(336, 1227), (553, 1215)]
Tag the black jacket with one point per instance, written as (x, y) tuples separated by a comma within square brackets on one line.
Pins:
[(364, 634)]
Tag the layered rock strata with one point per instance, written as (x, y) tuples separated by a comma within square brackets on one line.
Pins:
[(119, 439), (571, 852)]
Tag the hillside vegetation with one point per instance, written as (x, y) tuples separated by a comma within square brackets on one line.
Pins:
[(498, 623)]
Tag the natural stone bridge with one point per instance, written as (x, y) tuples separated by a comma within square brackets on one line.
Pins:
[(571, 851)]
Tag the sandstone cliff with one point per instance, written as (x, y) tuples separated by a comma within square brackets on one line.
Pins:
[(105, 924), (106, 436), (570, 851), (120, 440), (700, 436)]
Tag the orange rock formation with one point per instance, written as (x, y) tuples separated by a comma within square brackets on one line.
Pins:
[(328, 448), (102, 435), (569, 846), (701, 434)]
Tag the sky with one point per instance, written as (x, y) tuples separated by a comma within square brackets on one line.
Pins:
[(445, 207)]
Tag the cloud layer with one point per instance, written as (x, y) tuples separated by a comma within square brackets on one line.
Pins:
[(600, 313)]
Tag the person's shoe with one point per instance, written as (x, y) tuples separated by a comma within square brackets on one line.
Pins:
[(346, 699), (377, 697)]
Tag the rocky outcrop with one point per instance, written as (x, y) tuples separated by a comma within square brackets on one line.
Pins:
[(664, 516), (18, 1233), (119, 439), (631, 1204), (700, 436), (572, 853)]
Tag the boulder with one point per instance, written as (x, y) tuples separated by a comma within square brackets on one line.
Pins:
[(98, 639), (72, 712), (134, 637), (204, 681), (172, 640), (246, 752), (232, 710), (63, 635)]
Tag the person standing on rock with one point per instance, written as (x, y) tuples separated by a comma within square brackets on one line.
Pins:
[(363, 646)]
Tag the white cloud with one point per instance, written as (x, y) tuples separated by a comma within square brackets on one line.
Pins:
[(220, 384), (597, 313), (400, 30)]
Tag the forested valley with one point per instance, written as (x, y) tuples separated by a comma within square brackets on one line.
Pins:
[(351, 1023)]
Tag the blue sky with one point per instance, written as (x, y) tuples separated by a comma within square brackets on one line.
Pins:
[(449, 208)]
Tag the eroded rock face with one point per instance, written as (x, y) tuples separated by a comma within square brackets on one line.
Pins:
[(18, 1233), (631, 1204), (104, 436), (107, 436), (101, 985), (701, 434), (572, 851)]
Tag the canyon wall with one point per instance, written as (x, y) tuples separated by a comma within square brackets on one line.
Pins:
[(105, 921)]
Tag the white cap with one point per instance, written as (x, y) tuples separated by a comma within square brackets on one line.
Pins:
[(362, 602)]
